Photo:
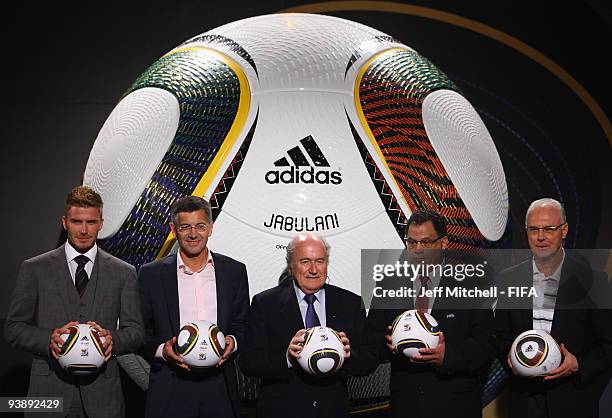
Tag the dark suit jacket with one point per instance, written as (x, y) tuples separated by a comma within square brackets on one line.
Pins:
[(585, 330), (45, 298), (160, 310), (454, 388), (274, 319)]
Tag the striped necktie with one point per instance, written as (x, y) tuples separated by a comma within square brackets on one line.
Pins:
[(80, 277)]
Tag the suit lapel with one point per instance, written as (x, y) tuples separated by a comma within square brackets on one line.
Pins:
[(290, 310), (567, 289), (169, 284), (224, 294), (526, 315), (334, 309), (439, 303), (100, 269), (67, 290)]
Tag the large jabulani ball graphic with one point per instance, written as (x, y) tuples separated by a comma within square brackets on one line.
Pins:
[(413, 330), (323, 352), (200, 343), (534, 353), (82, 352), (290, 123)]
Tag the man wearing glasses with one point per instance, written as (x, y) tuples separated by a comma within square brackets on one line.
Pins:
[(443, 381), (564, 308), (194, 284)]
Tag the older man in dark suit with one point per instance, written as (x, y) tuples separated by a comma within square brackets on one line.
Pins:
[(76, 283), (566, 307), (194, 284), (444, 381), (277, 323)]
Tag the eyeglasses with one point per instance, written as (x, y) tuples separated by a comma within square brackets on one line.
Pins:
[(548, 230), (425, 243), (201, 227)]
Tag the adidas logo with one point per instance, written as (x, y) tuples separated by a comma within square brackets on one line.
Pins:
[(296, 174), (85, 338), (529, 349)]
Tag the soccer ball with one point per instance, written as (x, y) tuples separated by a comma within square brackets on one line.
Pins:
[(200, 343), (413, 330), (323, 352), (291, 123), (534, 353), (82, 352)]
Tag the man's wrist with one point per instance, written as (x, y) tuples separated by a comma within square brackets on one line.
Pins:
[(235, 343)]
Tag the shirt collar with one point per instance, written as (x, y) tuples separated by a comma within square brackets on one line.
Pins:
[(556, 275), (181, 266), (320, 294), (71, 253)]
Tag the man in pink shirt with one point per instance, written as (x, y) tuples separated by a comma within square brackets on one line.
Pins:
[(194, 284)]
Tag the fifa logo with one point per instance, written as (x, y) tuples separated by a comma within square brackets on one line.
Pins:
[(202, 356), (323, 337)]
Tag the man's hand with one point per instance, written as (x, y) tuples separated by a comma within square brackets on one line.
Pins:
[(171, 357), (346, 343), (510, 364), (431, 355), (390, 345), (56, 342), (107, 345), (568, 367), (296, 344), (229, 349)]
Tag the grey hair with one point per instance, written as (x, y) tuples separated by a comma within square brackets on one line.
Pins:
[(291, 247), (547, 201)]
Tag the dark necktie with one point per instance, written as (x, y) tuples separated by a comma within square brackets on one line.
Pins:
[(312, 320), (422, 302), (80, 277)]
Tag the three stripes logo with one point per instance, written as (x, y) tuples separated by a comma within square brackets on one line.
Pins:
[(296, 172)]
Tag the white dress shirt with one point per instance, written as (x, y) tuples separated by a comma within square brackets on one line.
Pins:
[(71, 254), (318, 305), (546, 296)]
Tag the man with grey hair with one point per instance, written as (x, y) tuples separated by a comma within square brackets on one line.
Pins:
[(563, 308), (277, 322)]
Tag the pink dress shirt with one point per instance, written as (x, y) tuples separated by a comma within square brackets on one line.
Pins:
[(197, 294)]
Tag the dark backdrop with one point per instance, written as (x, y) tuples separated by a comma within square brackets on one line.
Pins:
[(66, 64)]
